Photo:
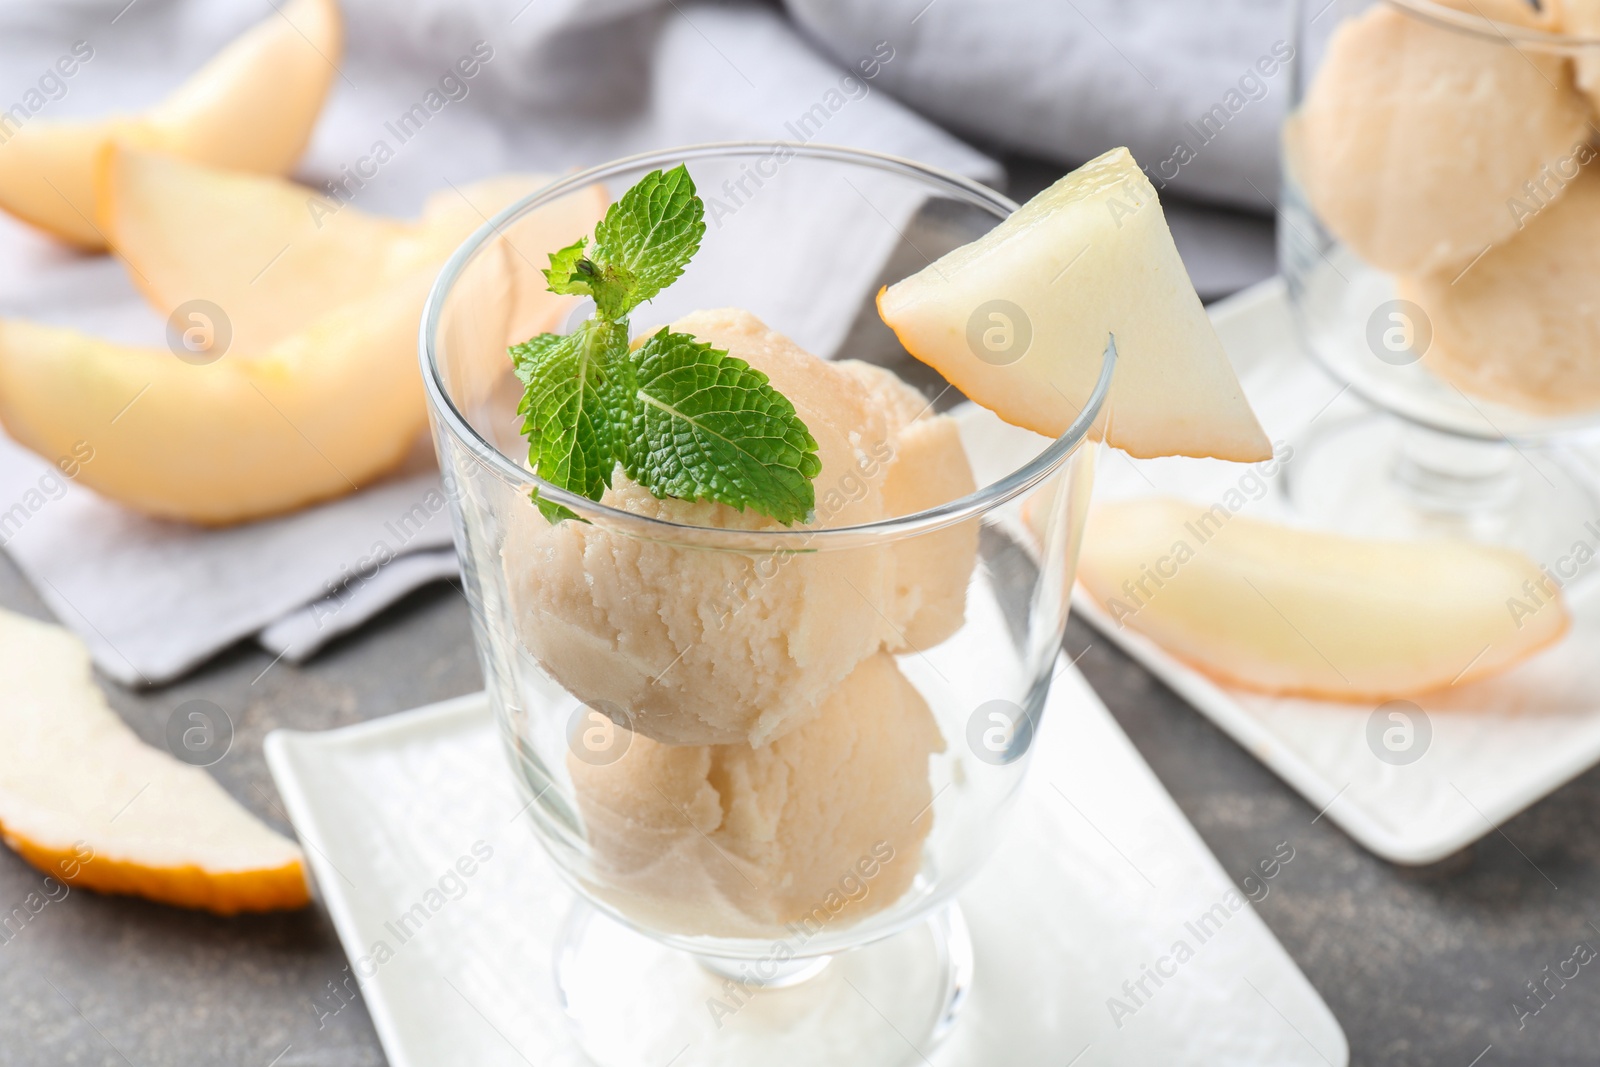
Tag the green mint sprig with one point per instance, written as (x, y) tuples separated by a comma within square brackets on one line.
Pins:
[(683, 419)]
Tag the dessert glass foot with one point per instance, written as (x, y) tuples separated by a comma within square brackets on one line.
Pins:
[(1373, 475), (632, 1000)]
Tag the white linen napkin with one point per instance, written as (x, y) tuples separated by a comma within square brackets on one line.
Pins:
[(570, 83), (154, 599), (299, 634)]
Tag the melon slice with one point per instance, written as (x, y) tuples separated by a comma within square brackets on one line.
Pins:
[(87, 802), (316, 416), (1522, 327), (272, 254), (250, 108), (1018, 320), (275, 255), (1297, 612), (524, 245), (253, 105), (1414, 139)]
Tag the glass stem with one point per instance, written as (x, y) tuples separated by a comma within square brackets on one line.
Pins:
[(768, 972), (1450, 475)]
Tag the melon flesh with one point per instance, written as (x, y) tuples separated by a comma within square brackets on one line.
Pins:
[(1297, 612), (275, 255), (1522, 327), (316, 416), (253, 105), (318, 391), (1089, 258), (88, 803), (250, 244), (1413, 139), (250, 108)]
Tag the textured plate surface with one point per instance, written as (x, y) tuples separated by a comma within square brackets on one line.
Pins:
[(1098, 879), (1494, 747)]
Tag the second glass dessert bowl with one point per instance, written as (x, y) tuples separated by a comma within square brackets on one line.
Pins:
[(767, 757), (1439, 212)]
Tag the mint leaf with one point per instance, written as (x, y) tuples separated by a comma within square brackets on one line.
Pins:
[(645, 241), (570, 271), (577, 406), (708, 426), (682, 418)]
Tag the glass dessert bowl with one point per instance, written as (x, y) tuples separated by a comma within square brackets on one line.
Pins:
[(1438, 236), (766, 756)]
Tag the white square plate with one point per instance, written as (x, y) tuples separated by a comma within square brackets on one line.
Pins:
[(1497, 746), (1098, 877)]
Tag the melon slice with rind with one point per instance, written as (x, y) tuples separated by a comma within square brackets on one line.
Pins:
[(1018, 320), (274, 255), (318, 415), (251, 108), (1296, 612), (87, 802)]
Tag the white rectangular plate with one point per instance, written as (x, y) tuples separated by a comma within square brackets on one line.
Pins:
[(1496, 746), (1099, 876)]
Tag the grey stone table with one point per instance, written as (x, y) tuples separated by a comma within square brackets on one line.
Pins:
[(1420, 966)]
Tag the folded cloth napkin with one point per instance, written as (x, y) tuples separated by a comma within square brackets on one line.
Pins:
[(298, 634), (1196, 90), (153, 599), (568, 83)]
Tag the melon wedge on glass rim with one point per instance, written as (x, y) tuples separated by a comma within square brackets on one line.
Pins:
[(1018, 321)]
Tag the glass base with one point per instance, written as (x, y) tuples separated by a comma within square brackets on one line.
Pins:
[(1378, 476), (633, 1002)]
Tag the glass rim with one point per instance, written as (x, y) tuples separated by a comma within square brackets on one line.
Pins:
[(982, 500), (1480, 25)]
